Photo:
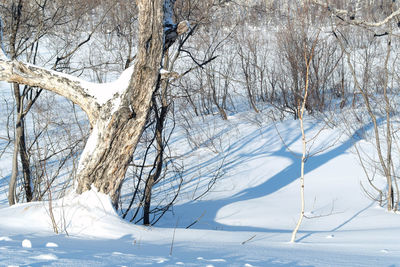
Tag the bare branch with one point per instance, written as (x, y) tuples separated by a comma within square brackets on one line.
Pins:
[(340, 13), (68, 86)]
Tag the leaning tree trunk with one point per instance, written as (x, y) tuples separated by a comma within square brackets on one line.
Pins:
[(116, 134), (117, 123)]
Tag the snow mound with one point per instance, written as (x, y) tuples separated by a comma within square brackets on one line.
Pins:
[(89, 214), (51, 245), (45, 257), (26, 243)]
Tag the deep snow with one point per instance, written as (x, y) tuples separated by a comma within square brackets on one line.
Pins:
[(245, 220)]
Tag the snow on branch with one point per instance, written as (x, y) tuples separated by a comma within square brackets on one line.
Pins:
[(342, 12), (62, 84)]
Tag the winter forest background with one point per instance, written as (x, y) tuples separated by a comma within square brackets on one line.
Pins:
[(272, 121)]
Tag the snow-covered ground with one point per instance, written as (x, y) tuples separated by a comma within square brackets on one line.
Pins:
[(245, 220)]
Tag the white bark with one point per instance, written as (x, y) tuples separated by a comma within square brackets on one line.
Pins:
[(307, 59), (65, 85)]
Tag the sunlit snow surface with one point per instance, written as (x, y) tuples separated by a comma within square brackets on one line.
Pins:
[(245, 220)]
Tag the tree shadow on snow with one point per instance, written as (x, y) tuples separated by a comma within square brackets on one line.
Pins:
[(236, 157)]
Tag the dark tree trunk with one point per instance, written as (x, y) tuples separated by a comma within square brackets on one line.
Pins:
[(20, 148)]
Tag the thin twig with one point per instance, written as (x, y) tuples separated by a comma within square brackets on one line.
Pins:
[(173, 238), (196, 221), (251, 238)]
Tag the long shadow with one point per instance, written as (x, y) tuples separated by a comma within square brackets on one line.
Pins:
[(4, 189), (275, 183), (337, 227), (234, 156), (129, 251)]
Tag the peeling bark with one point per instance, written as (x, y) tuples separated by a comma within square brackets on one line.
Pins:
[(118, 136), (119, 122), (59, 83)]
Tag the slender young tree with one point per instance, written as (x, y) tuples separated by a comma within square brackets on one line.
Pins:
[(308, 55)]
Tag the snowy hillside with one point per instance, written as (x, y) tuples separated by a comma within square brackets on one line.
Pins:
[(245, 220), (196, 133)]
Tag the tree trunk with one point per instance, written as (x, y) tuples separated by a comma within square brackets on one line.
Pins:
[(19, 148), (117, 123), (308, 59), (115, 135), (12, 186), (155, 174), (26, 171), (147, 201)]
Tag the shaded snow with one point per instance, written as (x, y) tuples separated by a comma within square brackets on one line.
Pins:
[(248, 215)]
